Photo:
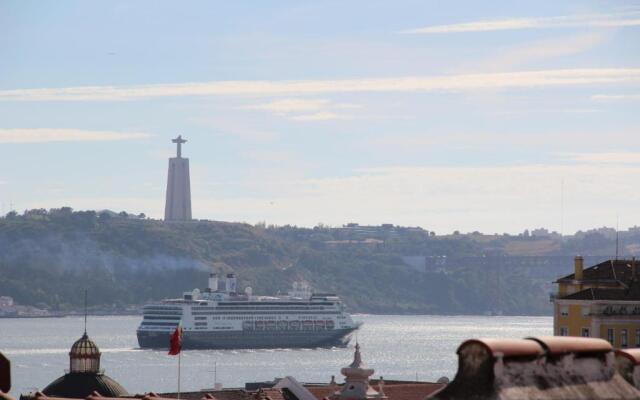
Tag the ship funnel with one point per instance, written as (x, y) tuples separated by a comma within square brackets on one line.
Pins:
[(213, 282), (231, 283)]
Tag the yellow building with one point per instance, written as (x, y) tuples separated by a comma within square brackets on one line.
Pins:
[(600, 301)]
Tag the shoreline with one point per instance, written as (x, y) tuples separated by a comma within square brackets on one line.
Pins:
[(126, 314)]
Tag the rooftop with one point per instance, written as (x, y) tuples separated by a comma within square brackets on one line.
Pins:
[(610, 270), (630, 293), (537, 368)]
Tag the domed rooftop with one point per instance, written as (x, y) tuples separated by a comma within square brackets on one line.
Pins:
[(84, 346), (80, 385), (84, 375), (84, 356)]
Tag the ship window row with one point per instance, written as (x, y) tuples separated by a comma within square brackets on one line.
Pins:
[(162, 312), (167, 317), (313, 318), (147, 312), (283, 308), (201, 324), (262, 306), (264, 312), (160, 308), (159, 323), (277, 303)]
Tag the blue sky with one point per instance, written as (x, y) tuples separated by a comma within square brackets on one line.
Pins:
[(446, 115)]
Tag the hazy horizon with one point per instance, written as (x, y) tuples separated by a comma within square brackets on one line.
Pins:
[(466, 116)]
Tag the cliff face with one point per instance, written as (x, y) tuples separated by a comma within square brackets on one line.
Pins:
[(48, 257)]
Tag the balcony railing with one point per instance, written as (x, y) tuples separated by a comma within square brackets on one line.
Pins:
[(618, 311)]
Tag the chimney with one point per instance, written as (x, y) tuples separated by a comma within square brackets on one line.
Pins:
[(213, 282), (231, 283), (579, 264)]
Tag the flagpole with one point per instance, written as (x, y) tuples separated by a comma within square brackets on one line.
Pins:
[(175, 347)]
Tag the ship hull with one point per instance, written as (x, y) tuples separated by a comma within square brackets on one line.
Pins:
[(248, 339)]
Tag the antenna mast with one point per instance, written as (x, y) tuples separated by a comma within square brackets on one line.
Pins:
[(85, 311), (561, 207), (617, 235)]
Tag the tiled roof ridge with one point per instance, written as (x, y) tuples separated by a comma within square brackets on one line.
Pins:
[(612, 270), (631, 293), (485, 372)]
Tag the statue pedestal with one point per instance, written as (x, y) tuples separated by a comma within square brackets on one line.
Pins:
[(178, 202)]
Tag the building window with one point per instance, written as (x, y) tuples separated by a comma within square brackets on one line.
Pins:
[(610, 336), (564, 310), (585, 311), (637, 337), (624, 340), (585, 332), (563, 331)]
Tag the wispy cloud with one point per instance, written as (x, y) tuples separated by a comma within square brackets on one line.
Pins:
[(615, 97), (447, 83), (43, 135), (564, 144), (503, 59), (305, 109), (622, 157), (286, 106), (319, 116), (631, 18)]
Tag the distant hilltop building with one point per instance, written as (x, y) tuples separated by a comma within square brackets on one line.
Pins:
[(6, 301), (601, 301), (178, 203)]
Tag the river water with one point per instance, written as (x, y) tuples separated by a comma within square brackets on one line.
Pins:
[(397, 347)]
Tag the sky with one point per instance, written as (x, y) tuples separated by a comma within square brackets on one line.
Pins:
[(496, 116)]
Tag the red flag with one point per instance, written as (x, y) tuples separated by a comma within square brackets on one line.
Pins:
[(175, 343)]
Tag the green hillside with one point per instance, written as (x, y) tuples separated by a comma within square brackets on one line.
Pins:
[(47, 258)]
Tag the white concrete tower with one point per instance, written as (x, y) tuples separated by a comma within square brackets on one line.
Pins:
[(178, 204)]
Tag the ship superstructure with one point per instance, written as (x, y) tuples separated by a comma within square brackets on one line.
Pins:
[(221, 318)]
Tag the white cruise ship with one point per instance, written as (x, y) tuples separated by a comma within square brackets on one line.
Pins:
[(221, 318)]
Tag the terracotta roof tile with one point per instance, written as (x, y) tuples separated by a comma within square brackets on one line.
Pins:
[(411, 391), (630, 293), (508, 347), (557, 345), (586, 373), (632, 354), (399, 391)]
